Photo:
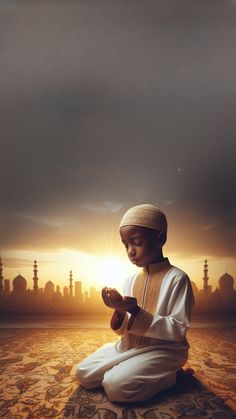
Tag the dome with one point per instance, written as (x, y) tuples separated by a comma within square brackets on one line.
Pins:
[(49, 286), (195, 290), (226, 282), (194, 287), (19, 283)]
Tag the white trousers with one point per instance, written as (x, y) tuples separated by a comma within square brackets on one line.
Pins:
[(133, 375)]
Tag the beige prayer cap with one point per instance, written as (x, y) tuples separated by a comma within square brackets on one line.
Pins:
[(145, 215)]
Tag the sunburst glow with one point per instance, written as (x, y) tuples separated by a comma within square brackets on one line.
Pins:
[(106, 269), (111, 271)]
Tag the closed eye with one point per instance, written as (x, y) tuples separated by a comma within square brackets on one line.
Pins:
[(135, 243)]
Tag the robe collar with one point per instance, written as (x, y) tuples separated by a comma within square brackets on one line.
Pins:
[(157, 267)]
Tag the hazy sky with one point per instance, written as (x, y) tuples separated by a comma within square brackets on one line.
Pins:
[(107, 104)]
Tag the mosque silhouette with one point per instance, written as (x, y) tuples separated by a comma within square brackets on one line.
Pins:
[(49, 300)]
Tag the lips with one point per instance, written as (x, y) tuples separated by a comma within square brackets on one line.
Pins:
[(133, 260)]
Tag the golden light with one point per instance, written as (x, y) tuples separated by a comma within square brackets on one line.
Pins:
[(109, 267), (111, 271)]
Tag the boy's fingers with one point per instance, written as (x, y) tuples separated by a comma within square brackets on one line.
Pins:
[(104, 292), (129, 298), (111, 295), (115, 292), (113, 301), (117, 302)]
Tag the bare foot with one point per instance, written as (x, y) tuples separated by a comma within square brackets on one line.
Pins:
[(184, 372)]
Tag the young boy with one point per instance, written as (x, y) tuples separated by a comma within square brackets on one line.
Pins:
[(151, 319)]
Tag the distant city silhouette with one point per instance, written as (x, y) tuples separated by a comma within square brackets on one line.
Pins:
[(49, 301), (222, 300)]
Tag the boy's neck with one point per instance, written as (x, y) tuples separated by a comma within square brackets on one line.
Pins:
[(157, 266), (160, 258)]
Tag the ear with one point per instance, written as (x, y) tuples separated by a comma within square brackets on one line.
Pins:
[(161, 238)]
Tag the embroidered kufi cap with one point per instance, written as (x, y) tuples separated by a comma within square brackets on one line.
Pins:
[(145, 215)]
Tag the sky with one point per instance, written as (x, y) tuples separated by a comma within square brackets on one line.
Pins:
[(108, 104)]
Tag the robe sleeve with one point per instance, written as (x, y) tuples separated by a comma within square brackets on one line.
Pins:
[(172, 326), (119, 322)]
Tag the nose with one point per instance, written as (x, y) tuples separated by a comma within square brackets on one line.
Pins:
[(131, 252)]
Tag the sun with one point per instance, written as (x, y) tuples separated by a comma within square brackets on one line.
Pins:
[(111, 271)]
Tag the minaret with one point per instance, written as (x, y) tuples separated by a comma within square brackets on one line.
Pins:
[(35, 278), (205, 278), (1, 277), (206, 287), (71, 286)]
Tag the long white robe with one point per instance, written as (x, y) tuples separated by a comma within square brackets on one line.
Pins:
[(153, 344)]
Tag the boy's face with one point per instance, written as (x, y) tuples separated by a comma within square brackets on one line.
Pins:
[(142, 244)]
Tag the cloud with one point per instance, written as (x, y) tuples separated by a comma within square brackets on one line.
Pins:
[(207, 227), (44, 221), (169, 202), (106, 207)]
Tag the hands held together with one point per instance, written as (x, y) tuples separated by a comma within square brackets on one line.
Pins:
[(113, 299)]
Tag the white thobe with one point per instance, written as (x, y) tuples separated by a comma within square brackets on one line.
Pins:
[(153, 345)]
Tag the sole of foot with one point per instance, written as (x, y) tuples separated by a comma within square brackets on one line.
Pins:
[(185, 372)]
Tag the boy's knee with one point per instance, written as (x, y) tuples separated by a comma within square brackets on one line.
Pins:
[(82, 374), (120, 390), (87, 376), (113, 390)]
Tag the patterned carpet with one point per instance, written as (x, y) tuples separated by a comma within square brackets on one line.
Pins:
[(37, 370)]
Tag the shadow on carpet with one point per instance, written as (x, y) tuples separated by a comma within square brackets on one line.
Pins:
[(186, 399)]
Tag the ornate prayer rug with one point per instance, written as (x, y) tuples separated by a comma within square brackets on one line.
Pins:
[(37, 370)]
